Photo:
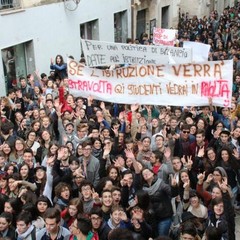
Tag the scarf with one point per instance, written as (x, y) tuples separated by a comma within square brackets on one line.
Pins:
[(62, 202), (96, 152), (110, 224), (153, 189), (25, 234)]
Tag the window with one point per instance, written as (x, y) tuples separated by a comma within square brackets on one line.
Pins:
[(10, 4), (18, 60), (120, 26), (90, 30)]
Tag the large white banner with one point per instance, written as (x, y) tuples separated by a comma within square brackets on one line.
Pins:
[(99, 53), (163, 36), (176, 85)]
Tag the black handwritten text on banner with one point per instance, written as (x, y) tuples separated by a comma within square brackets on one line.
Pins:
[(99, 53)]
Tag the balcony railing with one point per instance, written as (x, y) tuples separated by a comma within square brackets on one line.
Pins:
[(10, 4)]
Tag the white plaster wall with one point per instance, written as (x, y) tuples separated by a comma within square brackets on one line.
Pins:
[(54, 30)]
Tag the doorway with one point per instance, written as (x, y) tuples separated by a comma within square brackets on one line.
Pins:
[(141, 22)]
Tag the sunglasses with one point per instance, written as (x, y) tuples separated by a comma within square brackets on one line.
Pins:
[(186, 132)]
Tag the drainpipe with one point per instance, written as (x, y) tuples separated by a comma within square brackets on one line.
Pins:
[(132, 20)]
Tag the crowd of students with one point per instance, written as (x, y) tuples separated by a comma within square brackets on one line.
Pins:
[(76, 168)]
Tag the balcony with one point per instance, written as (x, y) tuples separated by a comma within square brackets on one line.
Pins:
[(7, 5)]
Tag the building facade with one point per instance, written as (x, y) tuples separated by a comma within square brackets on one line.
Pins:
[(35, 31), (148, 14)]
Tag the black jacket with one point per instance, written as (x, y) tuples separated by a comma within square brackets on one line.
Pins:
[(161, 199)]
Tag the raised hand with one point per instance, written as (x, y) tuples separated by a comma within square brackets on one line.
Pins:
[(235, 153), (79, 172), (117, 164), (186, 185), (123, 216), (50, 161), (162, 116), (210, 102), (173, 180), (209, 178), (95, 196), (183, 160), (115, 130), (90, 100), (193, 111), (148, 108), (223, 185), (216, 133), (129, 153), (167, 153), (106, 150), (189, 162), (201, 177)]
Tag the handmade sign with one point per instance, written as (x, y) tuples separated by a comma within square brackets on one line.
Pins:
[(177, 85), (163, 36)]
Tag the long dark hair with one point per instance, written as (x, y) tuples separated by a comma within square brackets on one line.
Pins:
[(233, 162), (116, 182), (62, 61)]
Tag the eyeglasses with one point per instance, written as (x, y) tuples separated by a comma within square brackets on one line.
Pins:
[(186, 132), (95, 218)]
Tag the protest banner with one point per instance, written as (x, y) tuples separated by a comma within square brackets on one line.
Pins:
[(176, 85), (99, 53), (163, 36), (200, 51)]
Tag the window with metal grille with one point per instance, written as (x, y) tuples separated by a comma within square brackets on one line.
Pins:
[(10, 4)]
